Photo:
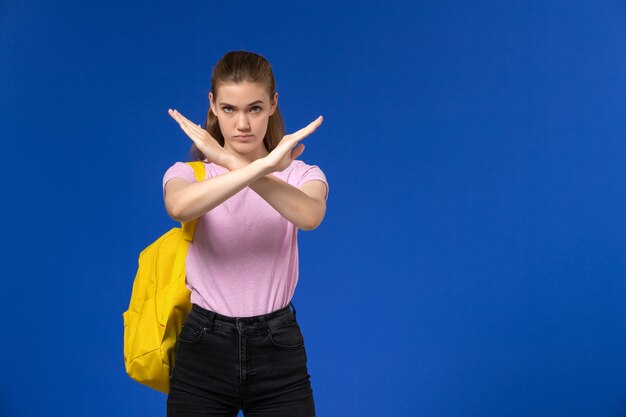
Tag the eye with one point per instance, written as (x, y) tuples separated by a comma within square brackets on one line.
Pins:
[(226, 109), (257, 107)]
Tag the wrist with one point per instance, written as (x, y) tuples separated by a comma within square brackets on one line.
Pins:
[(230, 162), (264, 167)]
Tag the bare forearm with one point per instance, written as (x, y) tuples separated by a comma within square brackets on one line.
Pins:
[(199, 198), (292, 203)]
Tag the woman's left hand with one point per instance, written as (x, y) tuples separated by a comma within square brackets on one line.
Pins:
[(206, 143)]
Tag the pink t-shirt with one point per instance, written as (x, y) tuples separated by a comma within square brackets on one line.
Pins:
[(243, 260)]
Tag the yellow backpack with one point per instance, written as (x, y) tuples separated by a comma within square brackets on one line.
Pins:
[(159, 304)]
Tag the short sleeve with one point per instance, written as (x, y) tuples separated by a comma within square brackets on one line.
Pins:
[(313, 172), (178, 170)]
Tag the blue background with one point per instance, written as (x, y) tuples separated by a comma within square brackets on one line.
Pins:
[(473, 254)]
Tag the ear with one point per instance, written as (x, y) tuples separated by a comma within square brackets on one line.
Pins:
[(275, 105), (212, 104)]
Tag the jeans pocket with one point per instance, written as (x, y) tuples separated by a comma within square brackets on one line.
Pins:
[(192, 330), (190, 333), (286, 336)]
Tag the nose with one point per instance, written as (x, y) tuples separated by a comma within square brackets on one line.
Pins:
[(242, 122)]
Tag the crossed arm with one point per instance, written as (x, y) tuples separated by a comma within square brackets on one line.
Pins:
[(304, 207)]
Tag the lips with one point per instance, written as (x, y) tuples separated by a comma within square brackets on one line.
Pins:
[(244, 137)]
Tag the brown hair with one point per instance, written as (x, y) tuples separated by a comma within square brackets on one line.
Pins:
[(238, 67)]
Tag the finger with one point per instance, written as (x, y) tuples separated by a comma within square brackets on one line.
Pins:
[(182, 118), (307, 130), (297, 151), (190, 124), (201, 132), (188, 132), (189, 128), (176, 116), (179, 117), (184, 125), (192, 127), (192, 130)]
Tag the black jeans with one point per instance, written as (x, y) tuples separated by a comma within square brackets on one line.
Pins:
[(226, 364)]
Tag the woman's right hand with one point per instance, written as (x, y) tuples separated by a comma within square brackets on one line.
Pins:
[(284, 153), (206, 143)]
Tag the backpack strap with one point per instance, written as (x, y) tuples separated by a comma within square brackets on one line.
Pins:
[(189, 228), (198, 169)]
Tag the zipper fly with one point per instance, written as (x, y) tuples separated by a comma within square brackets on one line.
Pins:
[(240, 353)]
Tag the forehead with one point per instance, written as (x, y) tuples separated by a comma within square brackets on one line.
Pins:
[(241, 94)]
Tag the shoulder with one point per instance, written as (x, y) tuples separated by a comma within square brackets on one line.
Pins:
[(302, 170), (179, 169), (183, 170), (299, 167), (299, 172)]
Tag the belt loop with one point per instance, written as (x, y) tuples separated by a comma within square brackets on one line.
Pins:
[(263, 323), (294, 309), (211, 320)]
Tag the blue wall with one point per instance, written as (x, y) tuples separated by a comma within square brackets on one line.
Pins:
[(473, 254)]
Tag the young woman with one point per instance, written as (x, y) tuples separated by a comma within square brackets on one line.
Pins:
[(241, 347)]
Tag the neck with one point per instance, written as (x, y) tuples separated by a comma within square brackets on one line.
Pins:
[(249, 157)]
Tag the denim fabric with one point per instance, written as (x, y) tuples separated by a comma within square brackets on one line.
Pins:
[(226, 364)]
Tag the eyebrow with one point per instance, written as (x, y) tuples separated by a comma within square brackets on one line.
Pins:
[(254, 102)]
